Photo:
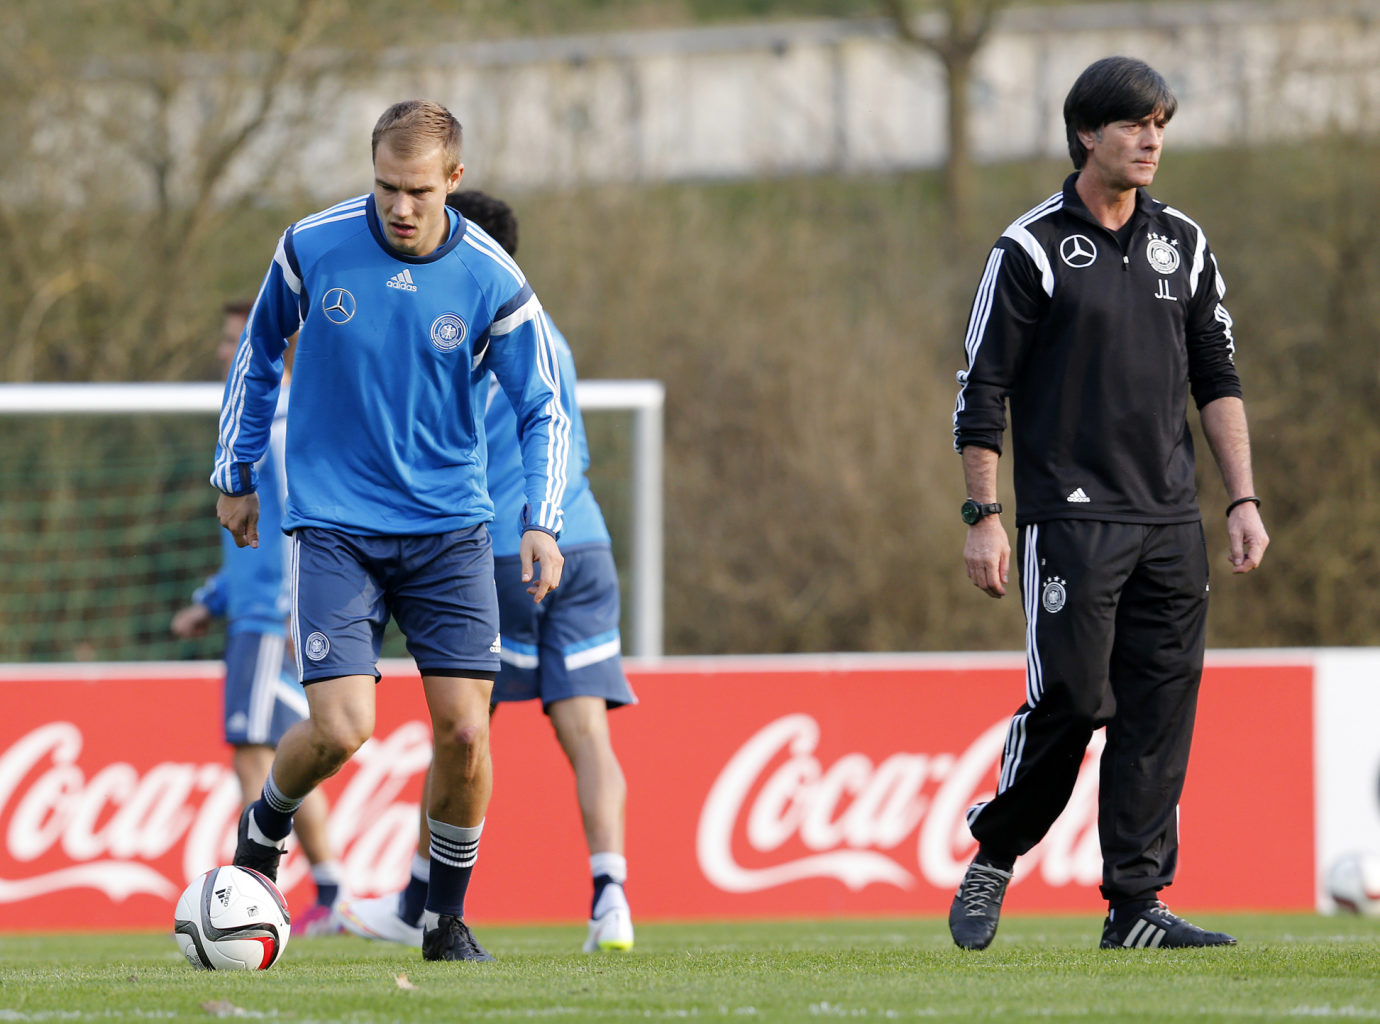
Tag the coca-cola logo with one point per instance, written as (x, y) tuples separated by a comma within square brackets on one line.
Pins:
[(777, 814), (117, 830)]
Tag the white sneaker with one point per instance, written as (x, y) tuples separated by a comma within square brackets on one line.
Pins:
[(377, 918), (611, 929)]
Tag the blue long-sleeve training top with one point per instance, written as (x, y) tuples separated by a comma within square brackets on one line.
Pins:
[(584, 520), (390, 377)]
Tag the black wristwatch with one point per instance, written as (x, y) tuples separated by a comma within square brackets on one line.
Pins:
[(972, 511)]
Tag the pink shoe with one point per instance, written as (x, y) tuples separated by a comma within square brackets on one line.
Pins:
[(318, 920)]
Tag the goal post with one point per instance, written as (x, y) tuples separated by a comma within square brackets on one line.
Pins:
[(39, 504)]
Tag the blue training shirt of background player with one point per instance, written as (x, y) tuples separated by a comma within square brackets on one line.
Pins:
[(584, 521), (250, 591), (384, 439)]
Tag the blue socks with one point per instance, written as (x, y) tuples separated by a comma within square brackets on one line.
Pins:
[(412, 900), (326, 875), (273, 811), (453, 852)]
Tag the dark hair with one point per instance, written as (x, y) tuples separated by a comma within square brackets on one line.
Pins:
[(1113, 89), (237, 307), (493, 215)]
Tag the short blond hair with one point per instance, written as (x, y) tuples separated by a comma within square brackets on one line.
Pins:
[(414, 126)]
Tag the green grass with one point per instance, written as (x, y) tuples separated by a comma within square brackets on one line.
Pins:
[(1039, 969)]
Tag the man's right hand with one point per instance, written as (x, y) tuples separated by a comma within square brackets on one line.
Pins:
[(241, 517), (191, 622), (987, 555)]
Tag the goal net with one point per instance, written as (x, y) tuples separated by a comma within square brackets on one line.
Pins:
[(107, 521)]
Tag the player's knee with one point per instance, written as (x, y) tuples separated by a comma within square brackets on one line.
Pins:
[(337, 740), (589, 751), (465, 736), (580, 721)]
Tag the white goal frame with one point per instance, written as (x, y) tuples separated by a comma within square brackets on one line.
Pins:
[(645, 399)]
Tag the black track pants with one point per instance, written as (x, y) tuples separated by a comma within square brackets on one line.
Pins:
[(1116, 618)]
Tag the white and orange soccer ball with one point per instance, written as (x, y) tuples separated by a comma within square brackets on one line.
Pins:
[(1353, 882), (232, 919)]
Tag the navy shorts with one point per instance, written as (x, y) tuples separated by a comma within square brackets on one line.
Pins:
[(262, 694), (569, 645), (438, 588)]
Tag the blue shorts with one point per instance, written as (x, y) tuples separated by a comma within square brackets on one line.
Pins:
[(567, 646), (262, 694), (438, 588)]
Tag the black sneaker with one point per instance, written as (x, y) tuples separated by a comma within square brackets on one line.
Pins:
[(250, 854), (977, 906), (451, 939), (1156, 928)]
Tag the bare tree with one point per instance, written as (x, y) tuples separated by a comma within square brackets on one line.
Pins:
[(966, 25), (136, 117)]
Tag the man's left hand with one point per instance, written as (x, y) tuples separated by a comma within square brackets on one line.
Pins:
[(538, 546), (241, 517), (1246, 533)]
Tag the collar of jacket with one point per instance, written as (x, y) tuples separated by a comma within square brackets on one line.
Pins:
[(1073, 203)]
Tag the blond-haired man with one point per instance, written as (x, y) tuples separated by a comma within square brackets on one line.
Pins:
[(402, 315)]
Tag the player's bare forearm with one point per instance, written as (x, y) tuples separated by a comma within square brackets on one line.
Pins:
[(1224, 426), (980, 473), (240, 515), (539, 548)]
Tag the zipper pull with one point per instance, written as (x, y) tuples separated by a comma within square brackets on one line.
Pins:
[(1125, 262)]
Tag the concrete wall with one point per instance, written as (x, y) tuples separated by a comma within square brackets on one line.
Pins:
[(846, 96), (717, 103)]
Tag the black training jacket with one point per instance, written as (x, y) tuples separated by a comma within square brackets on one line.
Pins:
[(1097, 348)]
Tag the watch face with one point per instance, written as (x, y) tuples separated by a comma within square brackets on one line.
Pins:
[(972, 512)]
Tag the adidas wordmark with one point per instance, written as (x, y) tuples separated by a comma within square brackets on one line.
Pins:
[(402, 281)]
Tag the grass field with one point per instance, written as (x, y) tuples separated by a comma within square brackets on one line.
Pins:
[(1040, 968)]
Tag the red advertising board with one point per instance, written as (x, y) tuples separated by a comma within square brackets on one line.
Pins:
[(757, 787)]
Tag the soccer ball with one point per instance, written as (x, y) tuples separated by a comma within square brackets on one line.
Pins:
[(231, 919), (1353, 882)]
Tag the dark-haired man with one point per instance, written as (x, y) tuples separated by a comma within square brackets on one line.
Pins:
[(1099, 312), (566, 652), (262, 697)]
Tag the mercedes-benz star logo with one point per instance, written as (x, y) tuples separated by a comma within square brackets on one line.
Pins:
[(338, 305), (1078, 251)]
